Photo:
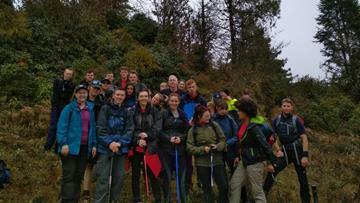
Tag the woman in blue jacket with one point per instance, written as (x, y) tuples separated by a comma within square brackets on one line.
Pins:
[(76, 137)]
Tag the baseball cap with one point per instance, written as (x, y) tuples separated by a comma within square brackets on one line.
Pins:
[(95, 84)]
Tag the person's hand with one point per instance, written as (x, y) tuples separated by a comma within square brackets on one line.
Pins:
[(270, 168), (65, 150), (114, 146), (305, 162), (173, 139), (213, 146), (177, 140), (236, 161), (93, 152), (206, 149), (143, 135), (142, 143), (279, 154)]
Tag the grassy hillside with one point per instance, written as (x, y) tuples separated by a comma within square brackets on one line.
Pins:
[(335, 166)]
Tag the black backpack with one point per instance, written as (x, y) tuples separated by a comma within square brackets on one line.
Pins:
[(4, 174)]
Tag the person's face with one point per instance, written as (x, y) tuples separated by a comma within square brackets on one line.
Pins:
[(133, 78), (119, 96), (81, 95), (173, 81), (143, 98), (192, 89), (174, 102), (89, 77), (242, 115), (94, 91), (68, 74), (222, 111), (182, 85), (130, 90), (105, 86), (286, 108), (155, 100), (205, 118), (124, 74), (163, 86), (110, 76)]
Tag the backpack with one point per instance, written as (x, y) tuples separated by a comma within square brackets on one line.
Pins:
[(277, 123), (212, 125), (265, 128), (4, 174)]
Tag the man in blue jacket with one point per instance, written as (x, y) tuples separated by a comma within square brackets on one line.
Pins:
[(230, 128), (115, 126)]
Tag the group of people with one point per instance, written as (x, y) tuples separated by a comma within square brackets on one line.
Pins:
[(102, 128)]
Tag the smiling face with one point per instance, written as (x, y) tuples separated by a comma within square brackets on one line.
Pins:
[(119, 96), (143, 98), (81, 95), (205, 118), (93, 91), (174, 102), (181, 85), (89, 77), (124, 74), (133, 78), (173, 81), (155, 101), (129, 90), (110, 76), (192, 89), (68, 74)]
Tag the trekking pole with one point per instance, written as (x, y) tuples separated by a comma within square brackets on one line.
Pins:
[(146, 179), (110, 176), (211, 167), (315, 193), (177, 174)]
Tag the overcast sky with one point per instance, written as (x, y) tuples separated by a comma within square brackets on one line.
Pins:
[(296, 28)]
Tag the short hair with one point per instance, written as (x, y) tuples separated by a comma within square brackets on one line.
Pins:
[(68, 68), (124, 68), (174, 95), (221, 105), (133, 72), (287, 100), (119, 89), (89, 71), (190, 82), (247, 106)]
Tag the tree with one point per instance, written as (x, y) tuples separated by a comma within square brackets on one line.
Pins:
[(339, 32)]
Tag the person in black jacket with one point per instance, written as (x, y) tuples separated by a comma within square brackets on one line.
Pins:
[(147, 126), (63, 90), (172, 144), (254, 151)]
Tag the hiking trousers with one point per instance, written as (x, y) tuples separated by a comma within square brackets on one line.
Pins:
[(169, 168), (290, 157), (252, 174), (102, 173), (73, 168), (137, 165), (219, 177)]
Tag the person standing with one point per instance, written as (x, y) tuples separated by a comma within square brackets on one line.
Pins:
[(89, 77), (63, 89), (134, 79), (115, 126), (76, 137), (147, 126), (173, 147), (294, 148), (124, 77), (206, 142), (253, 150)]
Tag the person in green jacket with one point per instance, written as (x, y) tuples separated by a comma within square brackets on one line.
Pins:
[(206, 142)]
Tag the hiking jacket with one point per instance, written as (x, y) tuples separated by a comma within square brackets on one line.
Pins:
[(130, 101), (254, 148), (69, 128), (172, 126), (62, 93), (288, 129), (115, 124), (148, 122), (201, 136), (98, 103), (188, 105), (230, 129)]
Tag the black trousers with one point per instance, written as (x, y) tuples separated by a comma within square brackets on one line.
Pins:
[(219, 177), (282, 163), (169, 168), (137, 164), (73, 167)]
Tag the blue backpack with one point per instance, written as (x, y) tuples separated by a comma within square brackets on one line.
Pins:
[(4, 174)]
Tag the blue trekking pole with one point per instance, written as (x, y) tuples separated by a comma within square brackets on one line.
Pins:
[(177, 174)]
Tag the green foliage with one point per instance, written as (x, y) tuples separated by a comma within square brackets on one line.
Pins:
[(142, 28)]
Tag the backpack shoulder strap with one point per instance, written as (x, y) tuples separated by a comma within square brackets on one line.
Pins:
[(194, 135), (294, 123), (212, 124), (277, 121)]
